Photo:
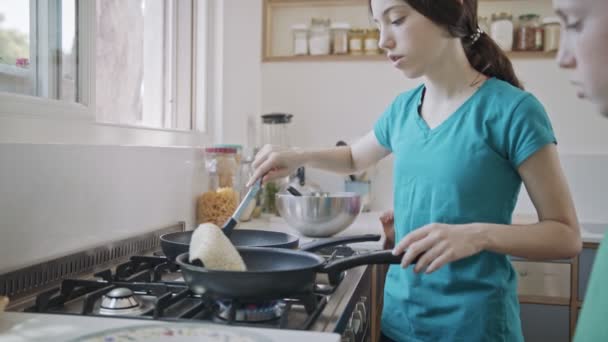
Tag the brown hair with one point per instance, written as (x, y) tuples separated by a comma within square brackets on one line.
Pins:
[(460, 20)]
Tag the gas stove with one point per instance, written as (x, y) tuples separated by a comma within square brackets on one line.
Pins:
[(149, 287)]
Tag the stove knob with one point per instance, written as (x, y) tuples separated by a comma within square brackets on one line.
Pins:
[(360, 308), (357, 321), (348, 336)]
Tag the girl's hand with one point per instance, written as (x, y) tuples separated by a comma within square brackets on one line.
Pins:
[(274, 162), (438, 244), (388, 225)]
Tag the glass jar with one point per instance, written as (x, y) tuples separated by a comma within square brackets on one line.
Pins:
[(319, 39), (528, 34), (300, 39), (484, 24), (238, 178), (219, 202), (339, 33), (552, 32), (502, 30), (370, 44), (355, 41)]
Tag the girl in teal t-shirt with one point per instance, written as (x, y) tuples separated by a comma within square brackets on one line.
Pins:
[(463, 143)]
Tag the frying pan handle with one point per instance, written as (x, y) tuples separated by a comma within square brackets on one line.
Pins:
[(378, 257), (322, 243)]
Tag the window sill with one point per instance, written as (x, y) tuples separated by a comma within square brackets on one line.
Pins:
[(149, 128), (14, 71)]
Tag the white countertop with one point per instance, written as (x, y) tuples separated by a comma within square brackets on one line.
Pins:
[(32, 327), (369, 223)]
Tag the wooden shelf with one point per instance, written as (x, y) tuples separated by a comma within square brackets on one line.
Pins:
[(359, 58)]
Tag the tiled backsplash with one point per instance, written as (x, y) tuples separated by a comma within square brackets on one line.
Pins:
[(60, 198)]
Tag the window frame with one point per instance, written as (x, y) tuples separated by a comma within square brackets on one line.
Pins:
[(191, 104)]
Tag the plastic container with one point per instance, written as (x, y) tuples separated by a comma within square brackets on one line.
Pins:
[(220, 200), (502, 30)]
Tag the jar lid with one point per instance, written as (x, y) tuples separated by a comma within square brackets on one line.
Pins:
[(227, 150), (502, 16), (299, 27), (340, 26), (529, 16), (237, 147), (276, 118), (551, 20)]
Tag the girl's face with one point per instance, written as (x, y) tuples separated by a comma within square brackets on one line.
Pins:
[(584, 47), (411, 41)]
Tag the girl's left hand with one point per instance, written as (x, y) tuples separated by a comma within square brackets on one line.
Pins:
[(439, 244)]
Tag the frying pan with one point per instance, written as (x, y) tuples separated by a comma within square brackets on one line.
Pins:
[(273, 272), (174, 244)]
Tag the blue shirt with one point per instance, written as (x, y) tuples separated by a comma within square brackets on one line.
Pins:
[(462, 171)]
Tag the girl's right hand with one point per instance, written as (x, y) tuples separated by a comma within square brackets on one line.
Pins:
[(388, 225), (275, 162)]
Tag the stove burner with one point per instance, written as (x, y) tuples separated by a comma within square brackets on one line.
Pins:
[(121, 301), (251, 312)]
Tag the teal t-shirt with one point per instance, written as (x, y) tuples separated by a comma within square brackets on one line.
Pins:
[(463, 171), (591, 326)]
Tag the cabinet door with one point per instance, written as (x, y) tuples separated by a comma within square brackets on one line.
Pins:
[(542, 323), (585, 264)]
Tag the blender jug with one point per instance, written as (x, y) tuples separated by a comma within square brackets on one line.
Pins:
[(274, 132)]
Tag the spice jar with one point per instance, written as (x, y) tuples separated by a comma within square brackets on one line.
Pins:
[(319, 40), (552, 31), (370, 44), (220, 200), (300, 39), (529, 33), (339, 38), (355, 41), (502, 30)]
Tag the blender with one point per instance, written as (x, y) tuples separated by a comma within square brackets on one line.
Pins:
[(275, 131)]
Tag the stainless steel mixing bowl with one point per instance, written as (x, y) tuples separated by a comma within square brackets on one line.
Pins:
[(319, 215)]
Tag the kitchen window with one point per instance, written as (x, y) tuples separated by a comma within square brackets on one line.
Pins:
[(120, 63), (39, 49)]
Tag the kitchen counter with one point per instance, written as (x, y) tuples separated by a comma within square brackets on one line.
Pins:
[(368, 223), (33, 327)]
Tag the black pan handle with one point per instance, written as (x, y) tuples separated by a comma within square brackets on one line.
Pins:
[(374, 258), (322, 243)]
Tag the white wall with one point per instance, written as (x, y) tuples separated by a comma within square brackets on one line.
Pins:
[(342, 100), (56, 199)]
